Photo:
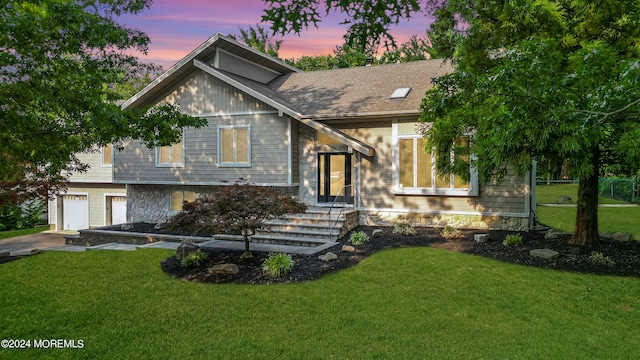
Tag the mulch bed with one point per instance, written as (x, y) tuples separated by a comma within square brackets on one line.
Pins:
[(625, 255)]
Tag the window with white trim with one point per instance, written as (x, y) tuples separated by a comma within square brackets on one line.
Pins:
[(234, 146), (170, 156), (415, 167)]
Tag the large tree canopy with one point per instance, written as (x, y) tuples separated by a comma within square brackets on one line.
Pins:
[(553, 80), (59, 63)]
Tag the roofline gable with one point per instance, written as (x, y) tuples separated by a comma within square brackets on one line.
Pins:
[(204, 50)]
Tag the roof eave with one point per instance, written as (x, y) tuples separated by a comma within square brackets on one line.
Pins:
[(367, 115)]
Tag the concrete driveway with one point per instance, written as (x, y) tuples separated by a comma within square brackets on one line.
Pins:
[(24, 245)]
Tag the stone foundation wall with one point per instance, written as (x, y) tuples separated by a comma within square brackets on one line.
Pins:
[(387, 218), (148, 203)]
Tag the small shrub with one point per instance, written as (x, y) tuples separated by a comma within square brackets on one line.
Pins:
[(404, 228), (358, 238), (194, 259), (278, 264), (449, 232), (512, 240), (599, 259)]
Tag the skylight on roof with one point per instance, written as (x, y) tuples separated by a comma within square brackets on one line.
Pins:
[(400, 93)]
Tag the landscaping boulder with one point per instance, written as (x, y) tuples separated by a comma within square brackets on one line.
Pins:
[(481, 238), (230, 269), (348, 248), (377, 233), (185, 249), (544, 253), (126, 227), (328, 257), (551, 234), (621, 237), (564, 199)]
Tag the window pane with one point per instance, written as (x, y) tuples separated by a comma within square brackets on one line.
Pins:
[(443, 182), (406, 163), (176, 153), (176, 200), (107, 152), (324, 139), (242, 145), (189, 196), (424, 165), (226, 148), (165, 154), (462, 150), (321, 170)]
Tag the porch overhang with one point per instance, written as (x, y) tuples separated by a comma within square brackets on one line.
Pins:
[(356, 144)]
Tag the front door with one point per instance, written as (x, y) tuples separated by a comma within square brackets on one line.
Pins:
[(334, 178)]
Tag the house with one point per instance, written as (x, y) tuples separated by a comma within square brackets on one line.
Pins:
[(342, 135), (91, 199)]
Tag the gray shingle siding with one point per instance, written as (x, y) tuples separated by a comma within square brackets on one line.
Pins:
[(200, 94)]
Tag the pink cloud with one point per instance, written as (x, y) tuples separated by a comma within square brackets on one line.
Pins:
[(176, 28)]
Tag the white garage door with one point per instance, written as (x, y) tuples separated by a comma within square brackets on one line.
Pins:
[(75, 212), (118, 210)]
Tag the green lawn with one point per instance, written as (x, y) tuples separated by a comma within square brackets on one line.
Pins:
[(14, 233), (549, 194), (610, 219), (410, 303)]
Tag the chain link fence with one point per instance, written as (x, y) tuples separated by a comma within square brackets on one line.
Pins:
[(619, 189)]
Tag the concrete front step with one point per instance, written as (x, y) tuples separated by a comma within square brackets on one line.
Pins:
[(309, 229), (318, 220), (290, 240), (290, 249)]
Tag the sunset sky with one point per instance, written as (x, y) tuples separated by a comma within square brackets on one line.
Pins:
[(177, 27)]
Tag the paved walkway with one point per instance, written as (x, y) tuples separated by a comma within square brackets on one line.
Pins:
[(54, 241)]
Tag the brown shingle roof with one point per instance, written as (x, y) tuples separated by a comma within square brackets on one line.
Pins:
[(360, 91)]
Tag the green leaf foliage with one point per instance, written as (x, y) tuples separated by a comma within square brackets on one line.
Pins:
[(369, 21), (60, 65), (538, 80)]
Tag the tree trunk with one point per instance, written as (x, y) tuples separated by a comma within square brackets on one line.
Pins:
[(586, 230)]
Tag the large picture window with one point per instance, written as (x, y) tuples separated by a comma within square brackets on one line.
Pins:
[(234, 146), (415, 168)]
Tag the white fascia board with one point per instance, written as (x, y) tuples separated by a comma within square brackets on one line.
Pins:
[(231, 40), (338, 135)]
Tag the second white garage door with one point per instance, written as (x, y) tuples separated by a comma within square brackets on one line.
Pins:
[(75, 212), (118, 210)]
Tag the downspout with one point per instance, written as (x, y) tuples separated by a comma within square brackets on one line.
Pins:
[(533, 217)]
